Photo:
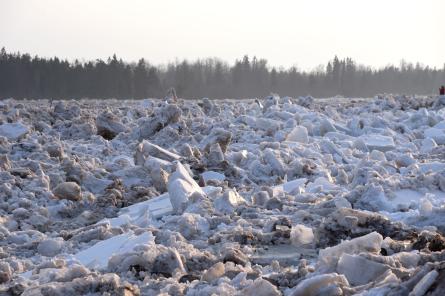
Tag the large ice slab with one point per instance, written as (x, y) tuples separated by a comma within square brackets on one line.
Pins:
[(433, 166), (13, 131), (180, 187), (154, 208), (149, 149), (378, 142), (291, 186), (359, 270), (98, 255), (212, 175), (322, 183), (298, 134), (143, 212), (437, 134), (329, 257), (319, 285)]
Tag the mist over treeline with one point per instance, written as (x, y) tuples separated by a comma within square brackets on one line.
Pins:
[(24, 76)]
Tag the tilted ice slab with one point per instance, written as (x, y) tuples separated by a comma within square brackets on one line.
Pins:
[(378, 142), (298, 134), (147, 148), (13, 131), (180, 187), (301, 185), (438, 135), (322, 183), (142, 213), (433, 166), (212, 175), (329, 257), (291, 186), (98, 255), (359, 270)]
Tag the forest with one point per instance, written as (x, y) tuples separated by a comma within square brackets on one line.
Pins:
[(34, 77)]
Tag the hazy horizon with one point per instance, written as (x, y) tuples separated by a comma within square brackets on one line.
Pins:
[(304, 34)]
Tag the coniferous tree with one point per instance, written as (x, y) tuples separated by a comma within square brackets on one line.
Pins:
[(23, 76), (140, 80)]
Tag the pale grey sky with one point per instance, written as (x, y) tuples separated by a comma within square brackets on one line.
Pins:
[(285, 32)]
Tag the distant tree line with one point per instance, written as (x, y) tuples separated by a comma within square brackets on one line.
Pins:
[(23, 76)]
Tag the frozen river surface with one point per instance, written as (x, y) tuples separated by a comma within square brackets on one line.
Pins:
[(274, 196)]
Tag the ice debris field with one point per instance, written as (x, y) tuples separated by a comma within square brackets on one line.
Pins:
[(273, 196)]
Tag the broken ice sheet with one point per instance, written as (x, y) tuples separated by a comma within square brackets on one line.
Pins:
[(98, 255), (142, 213), (286, 196)]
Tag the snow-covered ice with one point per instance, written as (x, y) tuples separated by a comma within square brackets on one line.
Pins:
[(273, 196)]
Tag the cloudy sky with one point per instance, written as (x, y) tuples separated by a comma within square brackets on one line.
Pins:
[(305, 33)]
